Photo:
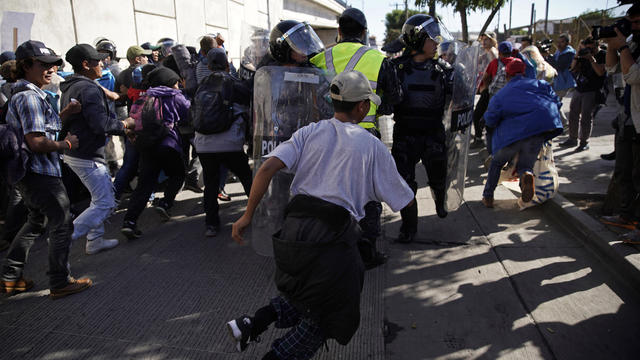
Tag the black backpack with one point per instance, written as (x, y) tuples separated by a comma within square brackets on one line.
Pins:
[(150, 129), (212, 110)]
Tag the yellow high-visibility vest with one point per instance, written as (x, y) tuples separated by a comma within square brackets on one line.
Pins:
[(349, 56)]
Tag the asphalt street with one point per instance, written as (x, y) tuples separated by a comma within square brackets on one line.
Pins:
[(482, 283)]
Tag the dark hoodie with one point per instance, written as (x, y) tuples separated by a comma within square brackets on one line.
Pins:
[(93, 123)]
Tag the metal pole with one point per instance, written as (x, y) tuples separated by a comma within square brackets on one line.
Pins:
[(546, 18), (510, 11), (533, 9)]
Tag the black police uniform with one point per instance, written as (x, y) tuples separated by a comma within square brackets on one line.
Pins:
[(418, 133)]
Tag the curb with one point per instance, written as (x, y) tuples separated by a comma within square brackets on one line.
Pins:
[(598, 239)]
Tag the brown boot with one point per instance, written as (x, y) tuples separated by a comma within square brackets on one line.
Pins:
[(527, 186), (72, 287), (488, 202), (21, 285)]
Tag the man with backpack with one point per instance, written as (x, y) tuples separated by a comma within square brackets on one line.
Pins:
[(220, 132), (34, 122), (156, 138), (92, 126)]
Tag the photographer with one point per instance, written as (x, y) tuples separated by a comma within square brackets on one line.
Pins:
[(587, 68), (626, 54)]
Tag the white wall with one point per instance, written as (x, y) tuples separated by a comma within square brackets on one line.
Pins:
[(130, 22)]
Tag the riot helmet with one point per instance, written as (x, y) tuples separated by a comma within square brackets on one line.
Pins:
[(291, 35), (165, 45), (419, 27), (106, 45)]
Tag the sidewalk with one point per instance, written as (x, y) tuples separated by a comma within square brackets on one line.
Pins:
[(584, 179)]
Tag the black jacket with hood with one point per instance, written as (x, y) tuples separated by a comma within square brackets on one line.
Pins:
[(318, 265), (93, 123)]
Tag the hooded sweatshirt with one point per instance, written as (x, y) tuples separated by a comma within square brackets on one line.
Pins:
[(175, 108), (93, 123)]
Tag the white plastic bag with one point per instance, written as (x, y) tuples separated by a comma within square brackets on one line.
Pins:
[(546, 177)]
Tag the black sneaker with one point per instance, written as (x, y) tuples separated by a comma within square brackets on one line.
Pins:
[(162, 209), (610, 156), (130, 230), (583, 146), (193, 186), (240, 331), (405, 238), (377, 260)]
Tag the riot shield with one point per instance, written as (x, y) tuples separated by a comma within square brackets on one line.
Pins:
[(457, 120), (284, 100)]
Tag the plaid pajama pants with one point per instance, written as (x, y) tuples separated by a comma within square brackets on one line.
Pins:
[(304, 338)]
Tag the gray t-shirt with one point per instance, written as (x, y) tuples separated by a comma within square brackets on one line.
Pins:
[(343, 164)]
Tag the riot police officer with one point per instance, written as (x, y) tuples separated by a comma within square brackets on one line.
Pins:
[(292, 43), (351, 53), (418, 133)]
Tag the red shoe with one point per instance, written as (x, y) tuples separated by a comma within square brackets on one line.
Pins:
[(223, 196)]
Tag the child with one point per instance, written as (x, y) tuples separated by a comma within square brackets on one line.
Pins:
[(339, 167)]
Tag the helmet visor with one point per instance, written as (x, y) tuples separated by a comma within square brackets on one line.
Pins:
[(303, 40), (436, 31)]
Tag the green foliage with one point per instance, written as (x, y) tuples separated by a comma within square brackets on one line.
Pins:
[(394, 21), (595, 14)]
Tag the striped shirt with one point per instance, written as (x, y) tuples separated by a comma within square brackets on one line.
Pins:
[(30, 112)]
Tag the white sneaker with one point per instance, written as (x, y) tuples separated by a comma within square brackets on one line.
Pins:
[(99, 244)]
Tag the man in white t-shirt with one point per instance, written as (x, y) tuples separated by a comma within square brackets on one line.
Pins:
[(339, 167)]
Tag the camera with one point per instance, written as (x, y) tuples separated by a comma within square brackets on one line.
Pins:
[(544, 45), (604, 32)]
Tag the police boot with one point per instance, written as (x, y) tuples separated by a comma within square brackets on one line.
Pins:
[(439, 199)]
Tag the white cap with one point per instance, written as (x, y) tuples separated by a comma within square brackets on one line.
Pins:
[(353, 86)]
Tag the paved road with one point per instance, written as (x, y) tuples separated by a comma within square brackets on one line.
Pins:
[(482, 283)]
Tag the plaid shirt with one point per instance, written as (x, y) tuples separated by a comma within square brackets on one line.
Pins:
[(30, 112)]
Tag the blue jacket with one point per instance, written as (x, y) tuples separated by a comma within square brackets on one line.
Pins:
[(561, 61), (521, 109)]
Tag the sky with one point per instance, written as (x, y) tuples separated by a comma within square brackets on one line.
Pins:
[(375, 11)]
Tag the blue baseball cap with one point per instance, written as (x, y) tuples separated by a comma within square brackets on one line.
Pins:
[(505, 47)]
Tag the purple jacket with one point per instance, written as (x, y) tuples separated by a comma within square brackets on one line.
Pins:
[(175, 108)]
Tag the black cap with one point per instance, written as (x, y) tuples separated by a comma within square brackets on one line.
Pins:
[(6, 56), (38, 50), (77, 54), (163, 76), (356, 15), (217, 59)]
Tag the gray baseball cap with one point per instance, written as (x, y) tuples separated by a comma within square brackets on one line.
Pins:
[(353, 86)]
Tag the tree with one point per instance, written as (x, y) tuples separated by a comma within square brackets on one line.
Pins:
[(394, 21), (464, 6)]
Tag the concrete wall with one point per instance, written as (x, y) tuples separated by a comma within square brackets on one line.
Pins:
[(60, 24)]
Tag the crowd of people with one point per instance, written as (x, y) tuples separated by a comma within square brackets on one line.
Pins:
[(175, 107)]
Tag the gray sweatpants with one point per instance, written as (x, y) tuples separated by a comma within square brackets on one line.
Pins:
[(580, 120)]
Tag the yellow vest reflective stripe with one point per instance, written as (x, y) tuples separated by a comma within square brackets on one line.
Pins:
[(354, 56)]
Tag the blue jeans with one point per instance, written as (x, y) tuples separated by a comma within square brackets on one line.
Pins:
[(128, 170), (95, 176), (44, 196), (527, 150)]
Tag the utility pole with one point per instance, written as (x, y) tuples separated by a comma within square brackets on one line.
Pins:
[(406, 10), (533, 11), (546, 19), (510, 11)]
